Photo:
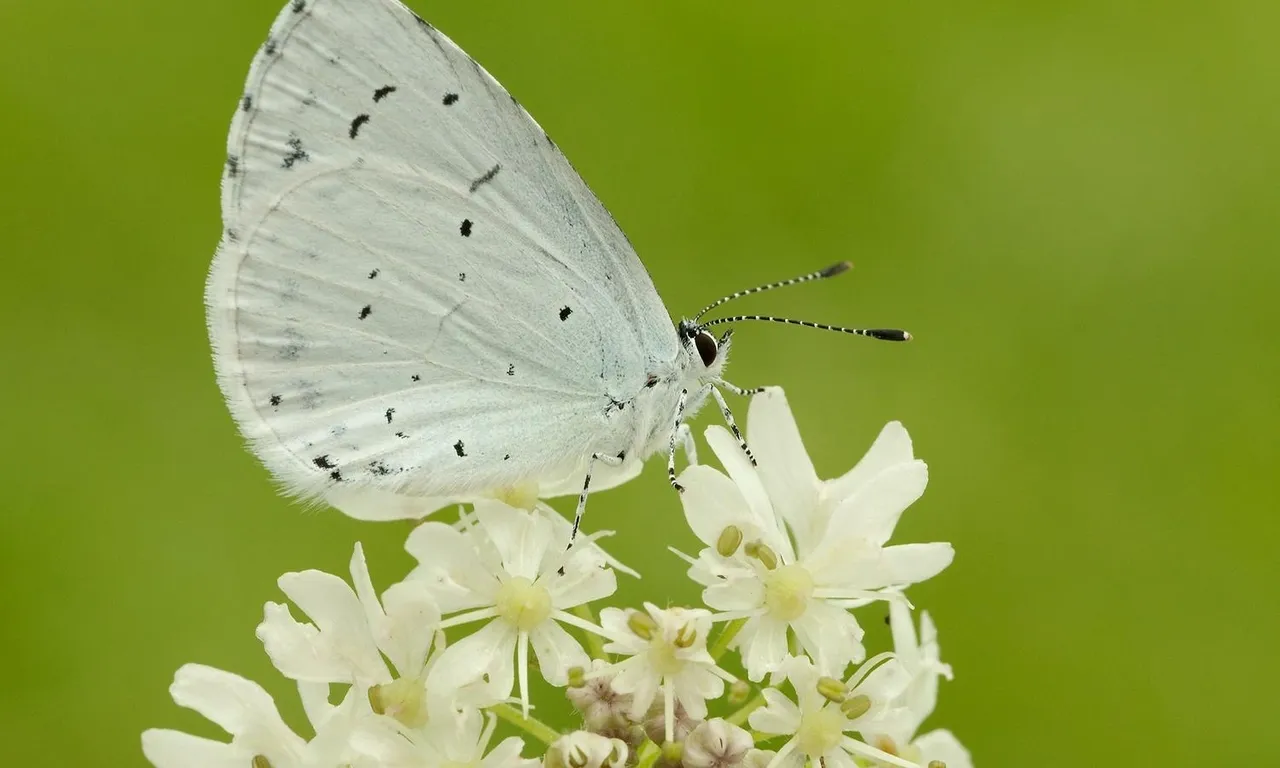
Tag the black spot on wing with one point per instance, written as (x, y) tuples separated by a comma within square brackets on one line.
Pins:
[(323, 462), (298, 6), (504, 458), (450, 99), (565, 312), (233, 166), (383, 93), (336, 475), (402, 436), (269, 48), (462, 277), (511, 369), (366, 310), (416, 377), (356, 124), (276, 399), (246, 103), (465, 229), (488, 176), (389, 413), (296, 153), (457, 448), (373, 273)]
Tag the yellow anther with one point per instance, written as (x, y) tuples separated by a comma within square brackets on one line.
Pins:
[(762, 552), (729, 541), (577, 677), (832, 689), (686, 637), (856, 706), (261, 761), (642, 624)]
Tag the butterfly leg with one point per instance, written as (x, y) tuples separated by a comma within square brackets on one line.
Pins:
[(739, 390), (733, 426), (675, 431), (612, 461)]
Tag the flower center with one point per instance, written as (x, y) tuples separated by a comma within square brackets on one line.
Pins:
[(523, 603), (787, 591), (662, 655), (405, 699), (820, 731)]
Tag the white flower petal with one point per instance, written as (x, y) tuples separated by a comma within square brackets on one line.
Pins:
[(241, 707), (490, 651), (174, 749), (744, 593), (943, 745), (831, 636), (874, 511), (449, 565), (583, 582), (713, 502), (409, 627), (891, 447), (763, 644), (557, 651), (914, 563), (762, 517), (779, 714), (521, 539), (783, 463), (333, 607), (378, 505)]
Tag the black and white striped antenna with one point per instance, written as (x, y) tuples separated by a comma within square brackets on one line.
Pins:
[(883, 334), (831, 271)]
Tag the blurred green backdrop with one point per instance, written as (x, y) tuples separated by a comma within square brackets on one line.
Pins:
[(1072, 205)]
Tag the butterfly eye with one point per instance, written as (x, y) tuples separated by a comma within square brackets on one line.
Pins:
[(707, 347)]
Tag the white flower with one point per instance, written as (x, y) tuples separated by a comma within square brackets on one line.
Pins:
[(583, 749), (351, 634), (506, 568), (789, 552), (817, 723), (668, 652), (716, 743), (459, 739), (919, 667), (244, 710)]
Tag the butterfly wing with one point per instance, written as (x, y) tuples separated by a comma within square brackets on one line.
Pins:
[(415, 291)]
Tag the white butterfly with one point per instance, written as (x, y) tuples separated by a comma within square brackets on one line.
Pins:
[(416, 295)]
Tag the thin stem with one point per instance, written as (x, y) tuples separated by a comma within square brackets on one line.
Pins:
[(740, 717), (530, 725), (726, 636), (595, 643)]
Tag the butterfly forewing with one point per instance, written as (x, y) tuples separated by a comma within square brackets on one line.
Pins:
[(414, 290)]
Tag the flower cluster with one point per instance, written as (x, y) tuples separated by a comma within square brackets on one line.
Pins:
[(393, 680)]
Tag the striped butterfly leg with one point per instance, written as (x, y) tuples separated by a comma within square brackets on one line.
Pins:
[(612, 461)]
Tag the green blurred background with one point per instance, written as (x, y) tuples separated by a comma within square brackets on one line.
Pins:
[(1072, 205)]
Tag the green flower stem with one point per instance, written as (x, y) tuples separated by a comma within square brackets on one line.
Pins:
[(727, 634), (648, 754), (595, 643), (531, 725), (740, 717)]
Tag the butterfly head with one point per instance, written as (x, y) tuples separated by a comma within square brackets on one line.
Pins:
[(708, 354)]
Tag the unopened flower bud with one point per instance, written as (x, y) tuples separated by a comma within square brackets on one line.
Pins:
[(655, 723), (937, 764), (603, 709), (672, 751), (716, 744), (729, 541), (583, 749), (577, 677), (739, 690)]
